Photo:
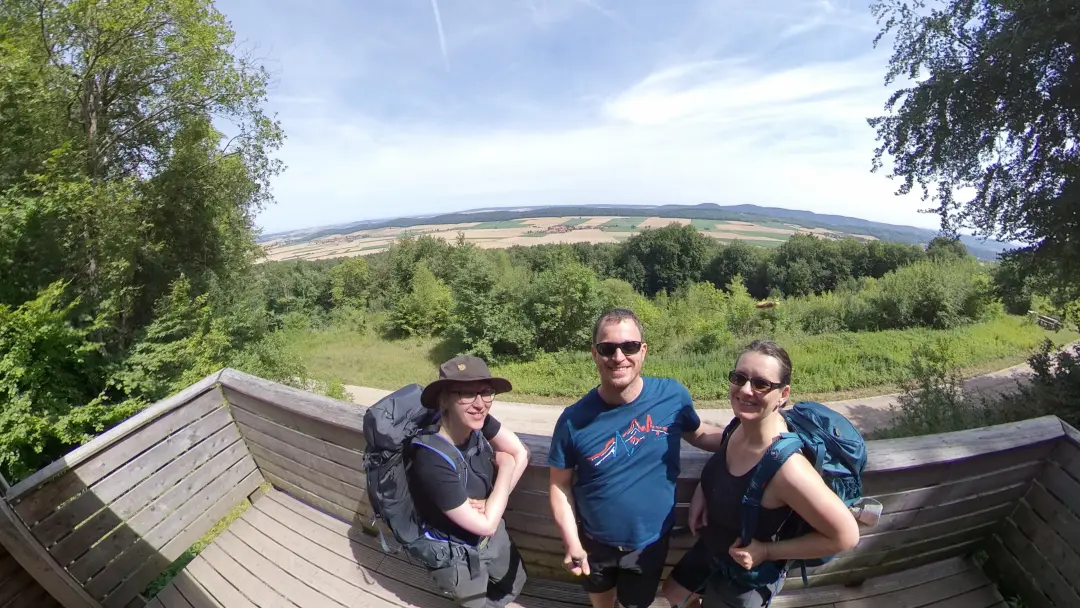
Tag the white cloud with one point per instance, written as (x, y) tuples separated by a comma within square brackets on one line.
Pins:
[(704, 101)]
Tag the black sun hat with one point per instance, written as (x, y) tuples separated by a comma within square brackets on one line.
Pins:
[(463, 368)]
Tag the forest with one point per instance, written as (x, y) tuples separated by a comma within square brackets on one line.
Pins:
[(853, 312), (136, 155)]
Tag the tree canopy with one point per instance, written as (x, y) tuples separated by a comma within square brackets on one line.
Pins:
[(989, 128), (134, 154)]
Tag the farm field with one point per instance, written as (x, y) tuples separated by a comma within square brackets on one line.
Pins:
[(537, 231)]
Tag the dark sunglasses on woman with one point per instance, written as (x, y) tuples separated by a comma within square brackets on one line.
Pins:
[(758, 385), (607, 349)]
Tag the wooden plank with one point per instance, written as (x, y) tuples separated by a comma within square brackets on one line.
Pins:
[(294, 530), (1056, 514), (347, 560), (1065, 488), (216, 485), (924, 594), (160, 560), (266, 432), (874, 587), (1063, 558), (314, 500), (146, 521), (857, 575), (154, 603), (326, 520), (1072, 435), (31, 597), (12, 587), (64, 519), (19, 542), (254, 394), (170, 597), (285, 465), (986, 596), (238, 576), (1067, 456), (1037, 564), (193, 592), (1015, 575), (343, 557), (292, 577), (87, 458), (124, 508), (949, 492), (221, 589), (351, 472), (888, 482), (893, 539)]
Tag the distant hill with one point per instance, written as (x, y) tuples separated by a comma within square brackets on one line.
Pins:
[(983, 249)]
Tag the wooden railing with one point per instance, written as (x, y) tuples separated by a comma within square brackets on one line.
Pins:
[(95, 527), (1037, 547)]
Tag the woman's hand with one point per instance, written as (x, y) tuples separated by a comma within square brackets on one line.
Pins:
[(699, 516), (752, 555)]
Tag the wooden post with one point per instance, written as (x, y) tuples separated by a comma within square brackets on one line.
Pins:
[(37, 562)]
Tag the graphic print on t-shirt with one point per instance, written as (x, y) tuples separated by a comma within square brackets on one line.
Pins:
[(628, 441)]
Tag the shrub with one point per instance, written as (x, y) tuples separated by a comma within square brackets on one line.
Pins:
[(563, 303), (425, 310)]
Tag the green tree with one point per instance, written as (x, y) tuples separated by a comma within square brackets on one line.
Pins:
[(349, 282), (563, 303), (994, 114), (426, 309), (945, 249), (134, 155), (664, 259)]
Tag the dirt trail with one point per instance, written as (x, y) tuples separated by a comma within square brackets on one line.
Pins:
[(868, 413)]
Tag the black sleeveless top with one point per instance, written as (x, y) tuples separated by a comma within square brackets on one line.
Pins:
[(723, 499)]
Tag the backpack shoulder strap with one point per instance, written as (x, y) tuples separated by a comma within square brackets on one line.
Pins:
[(774, 458), (446, 450)]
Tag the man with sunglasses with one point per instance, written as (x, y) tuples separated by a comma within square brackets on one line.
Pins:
[(623, 441)]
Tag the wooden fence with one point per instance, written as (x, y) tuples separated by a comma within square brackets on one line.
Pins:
[(95, 527), (1037, 547)]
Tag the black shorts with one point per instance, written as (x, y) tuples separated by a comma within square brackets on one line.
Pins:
[(635, 575), (693, 573)]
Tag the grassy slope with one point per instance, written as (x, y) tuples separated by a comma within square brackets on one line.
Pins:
[(827, 367)]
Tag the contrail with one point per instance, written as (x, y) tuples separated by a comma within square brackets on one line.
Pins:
[(442, 37)]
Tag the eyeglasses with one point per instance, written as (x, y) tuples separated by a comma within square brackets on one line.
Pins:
[(463, 397), (758, 385), (607, 349)]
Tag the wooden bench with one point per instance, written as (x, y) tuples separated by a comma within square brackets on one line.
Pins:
[(96, 527)]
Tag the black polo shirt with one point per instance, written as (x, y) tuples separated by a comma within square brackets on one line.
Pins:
[(436, 487)]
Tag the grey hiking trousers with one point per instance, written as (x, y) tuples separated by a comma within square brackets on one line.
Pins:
[(491, 579)]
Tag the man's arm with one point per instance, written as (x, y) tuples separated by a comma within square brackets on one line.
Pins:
[(705, 437), (562, 506)]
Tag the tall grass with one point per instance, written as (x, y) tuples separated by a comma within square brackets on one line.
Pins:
[(824, 364)]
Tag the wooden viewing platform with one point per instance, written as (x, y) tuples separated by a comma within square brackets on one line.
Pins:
[(96, 527)]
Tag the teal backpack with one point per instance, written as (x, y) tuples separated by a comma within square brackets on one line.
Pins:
[(837, 451)]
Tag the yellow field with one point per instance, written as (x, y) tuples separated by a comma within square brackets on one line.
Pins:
[(530, 231)]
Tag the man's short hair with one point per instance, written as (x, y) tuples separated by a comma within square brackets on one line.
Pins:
[(617, 315)]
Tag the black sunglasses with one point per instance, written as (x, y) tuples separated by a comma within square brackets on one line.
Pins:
[(758, 385), (607, 349)]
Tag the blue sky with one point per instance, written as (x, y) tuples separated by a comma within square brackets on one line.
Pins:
[(405, 107)]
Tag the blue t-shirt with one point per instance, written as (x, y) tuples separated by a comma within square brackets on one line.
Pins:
[(627, 460)]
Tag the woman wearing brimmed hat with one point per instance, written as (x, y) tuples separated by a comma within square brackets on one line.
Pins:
[(486, 570)]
